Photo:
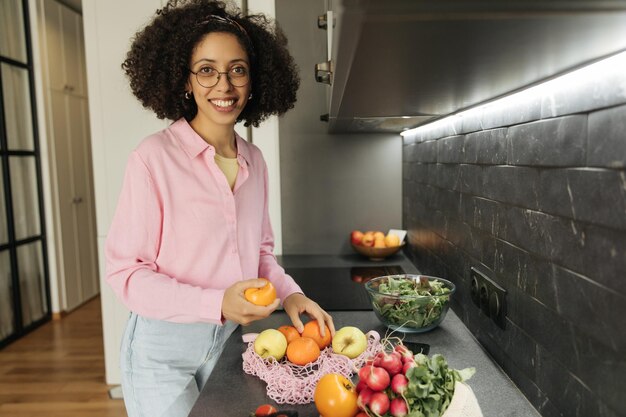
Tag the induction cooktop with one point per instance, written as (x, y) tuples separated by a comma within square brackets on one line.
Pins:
[(340, 288)]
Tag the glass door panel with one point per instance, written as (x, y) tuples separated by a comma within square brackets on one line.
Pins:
[(17, 110), (25, 196), (24, 288), (32, 282), (7, 319), (12, 37), (4, 233)]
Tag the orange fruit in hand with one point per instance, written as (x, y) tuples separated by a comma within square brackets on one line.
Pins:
[(312, 330), (302, 350), (290, 332), (263, 296)]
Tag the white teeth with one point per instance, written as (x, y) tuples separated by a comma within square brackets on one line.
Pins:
[(223, 103)]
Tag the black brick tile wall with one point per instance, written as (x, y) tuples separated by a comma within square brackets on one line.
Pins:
[(540, 205)]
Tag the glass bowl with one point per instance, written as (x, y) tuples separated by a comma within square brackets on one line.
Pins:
[(410, 303)]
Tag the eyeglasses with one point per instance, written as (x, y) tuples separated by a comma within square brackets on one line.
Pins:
[(209, 77)]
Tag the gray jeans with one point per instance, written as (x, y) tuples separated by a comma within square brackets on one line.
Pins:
[(165, 365)]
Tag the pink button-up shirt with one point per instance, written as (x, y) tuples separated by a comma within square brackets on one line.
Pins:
[(180, 236)]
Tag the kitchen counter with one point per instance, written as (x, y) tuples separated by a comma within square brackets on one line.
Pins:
[(231, 392)]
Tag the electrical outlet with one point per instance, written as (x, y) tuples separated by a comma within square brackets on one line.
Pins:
[(487, 295)]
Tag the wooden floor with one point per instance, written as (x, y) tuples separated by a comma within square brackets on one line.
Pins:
[(58, 370)]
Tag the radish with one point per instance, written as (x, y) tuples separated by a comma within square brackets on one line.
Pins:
[(378, 379), (364, 397), (407, 366), (364, 372), (360, 385), (398, 407), (404, 352), (399, 384), (379, 403), (392, 363)]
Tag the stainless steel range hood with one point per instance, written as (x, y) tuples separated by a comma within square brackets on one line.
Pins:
[(397, 64)]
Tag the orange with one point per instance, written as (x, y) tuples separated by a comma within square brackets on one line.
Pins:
[(312, 330), (335, 396), (290, 332), (302, 350), (263, 296)]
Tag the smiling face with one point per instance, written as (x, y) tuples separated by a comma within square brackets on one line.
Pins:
[(221, 104)]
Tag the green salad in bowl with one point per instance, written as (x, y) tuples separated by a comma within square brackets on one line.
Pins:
[(410, 303)]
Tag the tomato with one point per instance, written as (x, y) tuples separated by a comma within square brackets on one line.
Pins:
[(335, 396), (264, 410), (263, 296)]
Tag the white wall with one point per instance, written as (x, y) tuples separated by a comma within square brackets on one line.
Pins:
[(118, 123), (266, 138)]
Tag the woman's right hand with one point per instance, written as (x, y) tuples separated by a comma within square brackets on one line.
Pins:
[(236, 308)]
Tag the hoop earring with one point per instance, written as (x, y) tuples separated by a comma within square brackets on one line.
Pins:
[(187, 95)]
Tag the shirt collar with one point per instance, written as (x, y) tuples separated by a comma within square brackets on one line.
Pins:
[(194, 145)]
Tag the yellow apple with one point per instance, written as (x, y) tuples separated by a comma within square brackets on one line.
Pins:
[(349, 341), (270, 343), (379, 235), (392, 241), (379, 243)]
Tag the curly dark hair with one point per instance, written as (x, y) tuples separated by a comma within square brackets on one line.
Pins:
[(158, 61)]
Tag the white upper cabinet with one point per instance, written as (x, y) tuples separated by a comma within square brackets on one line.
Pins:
[(64, 45)]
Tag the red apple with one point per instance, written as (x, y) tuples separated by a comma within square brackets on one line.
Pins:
[(356, 237)]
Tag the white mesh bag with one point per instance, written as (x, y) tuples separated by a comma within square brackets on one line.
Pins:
[(464, 402)]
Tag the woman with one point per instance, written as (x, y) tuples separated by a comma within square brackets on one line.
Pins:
[(191, 231)]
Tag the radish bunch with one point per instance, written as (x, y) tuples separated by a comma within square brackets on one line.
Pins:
[(383, 382)]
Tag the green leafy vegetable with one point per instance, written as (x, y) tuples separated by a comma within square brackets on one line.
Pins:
[(431, 385), (412, 303)]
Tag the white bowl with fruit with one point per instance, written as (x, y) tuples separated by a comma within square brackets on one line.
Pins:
[(377, 245)]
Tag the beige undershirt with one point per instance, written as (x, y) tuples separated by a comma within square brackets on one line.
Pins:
[(229, 167)]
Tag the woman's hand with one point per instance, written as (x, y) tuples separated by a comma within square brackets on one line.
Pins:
[(297, 304), (236, 308)]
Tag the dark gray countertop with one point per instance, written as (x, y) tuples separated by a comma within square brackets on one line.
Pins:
[(231, 392)]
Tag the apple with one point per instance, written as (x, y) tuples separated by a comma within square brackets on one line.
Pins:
[(391, 241), (270, 343), (368, 239), (349, 341), (356, 237)]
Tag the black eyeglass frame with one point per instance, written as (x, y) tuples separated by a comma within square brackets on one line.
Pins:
[(219, 77)]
